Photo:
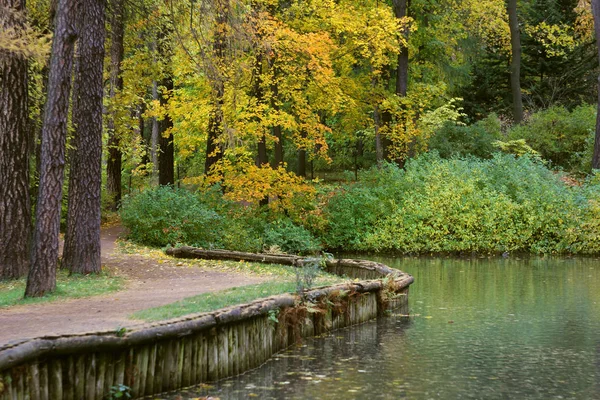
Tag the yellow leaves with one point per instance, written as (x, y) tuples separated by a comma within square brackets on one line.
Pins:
[(557, 40), (584, 25), (488, 19), (246, 182)]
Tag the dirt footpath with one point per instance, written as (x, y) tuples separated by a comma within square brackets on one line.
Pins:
[(150, 283)]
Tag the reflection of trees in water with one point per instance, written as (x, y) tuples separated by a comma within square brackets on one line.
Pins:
[(291, 374)]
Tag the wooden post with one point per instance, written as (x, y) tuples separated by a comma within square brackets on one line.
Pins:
[(143, 352), (180, 364), (55, 380), (69, 378), (109, 373), (212, 355), (90, 378), (34, 383), (222, 340), (203, 374), (234, 365), (135, 371), (186, 361), (101, 360), (158, 367), (149, 382)]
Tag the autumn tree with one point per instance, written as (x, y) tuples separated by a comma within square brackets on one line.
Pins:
[(44, 254), (15, 214), (81, 252)]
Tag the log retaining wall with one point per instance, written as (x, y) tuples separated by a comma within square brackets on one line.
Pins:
[(169, 355)]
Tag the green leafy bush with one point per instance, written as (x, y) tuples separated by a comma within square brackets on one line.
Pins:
[(477, 140), (467, 206), (290, 238), (560, 135), (352, 210), (166, 216)]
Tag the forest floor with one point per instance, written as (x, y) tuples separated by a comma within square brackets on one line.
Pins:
[(149, 282)]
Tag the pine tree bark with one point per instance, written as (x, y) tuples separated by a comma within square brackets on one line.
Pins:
[(596, 155), (81, 252), (44, 254), (515, 63), (15, 214), (114, 159)]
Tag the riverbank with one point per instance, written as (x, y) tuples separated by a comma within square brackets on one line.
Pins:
[(206, 347)]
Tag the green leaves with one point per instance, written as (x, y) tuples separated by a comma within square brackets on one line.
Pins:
[(466, 206)]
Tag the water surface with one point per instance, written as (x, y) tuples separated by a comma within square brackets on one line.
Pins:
[(479, 329)]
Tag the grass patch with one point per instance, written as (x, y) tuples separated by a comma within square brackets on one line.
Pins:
[(74, 287), (224, 298)]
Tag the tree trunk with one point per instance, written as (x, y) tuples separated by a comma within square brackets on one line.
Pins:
[(154, 136), (44, 254), (401, 11), (15, 209), (114, 159), (378, 142), (596, 155), (81, 252), (166, 157), (278, 156), (214, 152), (258, 94), (515, 64), (302, 163)]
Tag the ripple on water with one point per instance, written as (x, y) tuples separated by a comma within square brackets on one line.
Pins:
[(487, 329)]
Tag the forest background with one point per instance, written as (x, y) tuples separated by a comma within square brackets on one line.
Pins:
[(410, 126)]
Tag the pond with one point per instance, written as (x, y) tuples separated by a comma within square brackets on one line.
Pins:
[(479, 329)]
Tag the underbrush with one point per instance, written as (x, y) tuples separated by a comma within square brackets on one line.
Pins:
[(434, 205), (164, 216), (465, 205)]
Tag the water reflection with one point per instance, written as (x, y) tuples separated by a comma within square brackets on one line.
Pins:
[(481, 329)]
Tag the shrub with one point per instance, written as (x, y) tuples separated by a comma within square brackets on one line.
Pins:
[(163, 216), (469, 205), (559, 135), (290, 238), (477, 140), (353, 209)]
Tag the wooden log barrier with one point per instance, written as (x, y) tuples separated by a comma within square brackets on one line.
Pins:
[(154, 358)]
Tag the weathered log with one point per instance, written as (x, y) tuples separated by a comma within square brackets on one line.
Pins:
[(193, 252)]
